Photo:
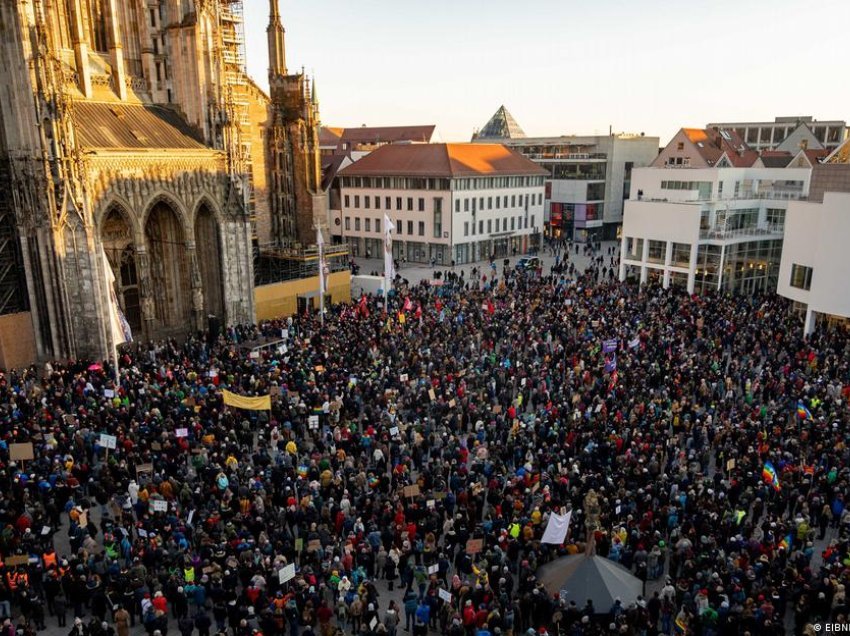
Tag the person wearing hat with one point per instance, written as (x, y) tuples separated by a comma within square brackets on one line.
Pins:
[(78, 628)]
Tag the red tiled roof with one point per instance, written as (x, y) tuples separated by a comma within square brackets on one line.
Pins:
[(387, 134), (329, 136), (442, 160)]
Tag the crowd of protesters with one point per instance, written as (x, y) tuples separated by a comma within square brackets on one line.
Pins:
[(471, 409)]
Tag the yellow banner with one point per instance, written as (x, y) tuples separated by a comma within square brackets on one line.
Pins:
[(262, 403)]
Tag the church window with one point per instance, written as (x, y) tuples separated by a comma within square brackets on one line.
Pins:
[(97, 23)]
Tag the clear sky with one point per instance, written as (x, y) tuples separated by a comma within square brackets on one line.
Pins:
[(563, 66)]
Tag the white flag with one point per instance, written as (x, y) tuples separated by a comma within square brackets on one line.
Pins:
[(320, 242), (389, 268), (556, 529), (118, 325)]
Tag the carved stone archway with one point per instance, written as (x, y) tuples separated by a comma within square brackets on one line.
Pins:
[(208, 249), (169, 308)]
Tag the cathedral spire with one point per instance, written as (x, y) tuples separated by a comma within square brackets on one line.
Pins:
[(277, 42)]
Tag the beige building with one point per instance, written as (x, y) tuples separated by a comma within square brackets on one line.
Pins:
[(447, 202)]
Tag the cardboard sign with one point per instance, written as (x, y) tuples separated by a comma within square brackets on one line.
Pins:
[(431, 503), (432, 395), (451, 403), (108, 441), (254, 355), (21, 452), (181, 432), (730, 463), (433, 569), (444, 595), (411, 491), (394, 431), (45, 530), (108, 393), (16, 560), (474, 546), (299, 544), (373, 623), (314, 421), (190, 517), (439, 496), (156, 446), (286, 573), (403, 377), (159, 505), (144, 469), (70, 420)]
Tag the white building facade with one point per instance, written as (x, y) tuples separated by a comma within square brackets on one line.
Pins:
[(813, 271), (588, 180), (448, 202), (708, 228)]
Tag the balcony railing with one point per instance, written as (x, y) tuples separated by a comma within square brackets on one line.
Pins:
[(772, 230)]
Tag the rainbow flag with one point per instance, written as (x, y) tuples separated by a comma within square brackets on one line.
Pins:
[(680, 626), (809, 470), (802, 412), (769, 475), (786, 542)]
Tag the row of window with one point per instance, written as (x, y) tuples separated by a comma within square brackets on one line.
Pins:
[(474, 204), (685, 185), (516, 223), (370, 202), (399, 227), (417, 204), (420, 183), (657, 251)]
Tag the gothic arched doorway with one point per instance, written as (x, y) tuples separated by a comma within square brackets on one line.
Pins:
[(117, 238), (169, 270), (208, 247)]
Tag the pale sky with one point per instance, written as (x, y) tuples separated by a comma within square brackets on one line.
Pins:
[(563, 66)]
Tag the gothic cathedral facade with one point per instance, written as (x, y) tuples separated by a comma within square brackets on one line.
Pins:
[(141, 166)]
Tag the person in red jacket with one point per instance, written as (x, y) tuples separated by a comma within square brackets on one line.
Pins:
[(159, 603)]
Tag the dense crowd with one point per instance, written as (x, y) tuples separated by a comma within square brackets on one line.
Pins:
[(472, 409)]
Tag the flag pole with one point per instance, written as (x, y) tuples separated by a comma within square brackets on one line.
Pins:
[(320, 242)]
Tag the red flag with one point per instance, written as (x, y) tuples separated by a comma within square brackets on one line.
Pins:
[(407, 304), (491, 309), (438, 304), (418, 311)]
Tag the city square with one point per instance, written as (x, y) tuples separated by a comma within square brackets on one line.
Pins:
[(265, 376)]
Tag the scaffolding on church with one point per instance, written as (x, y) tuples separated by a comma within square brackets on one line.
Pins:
[(276, 265), (13, 290)]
